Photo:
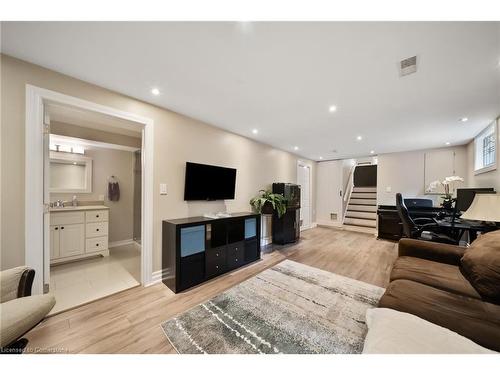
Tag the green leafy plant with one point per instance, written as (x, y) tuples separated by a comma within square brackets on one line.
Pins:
[(268, 202)]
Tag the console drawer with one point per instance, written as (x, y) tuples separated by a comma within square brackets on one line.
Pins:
[(235, 254), (215, 261)]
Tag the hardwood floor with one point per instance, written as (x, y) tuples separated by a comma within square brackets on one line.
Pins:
[(129, 322)]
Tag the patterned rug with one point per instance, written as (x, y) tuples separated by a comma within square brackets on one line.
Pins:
[(289, 308)]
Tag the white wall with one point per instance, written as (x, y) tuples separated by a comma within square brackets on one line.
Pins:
[(177, 139), (328, 186), (404, 172)]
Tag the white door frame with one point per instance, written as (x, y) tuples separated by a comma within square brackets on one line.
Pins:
[(34, 186), (301, 164)]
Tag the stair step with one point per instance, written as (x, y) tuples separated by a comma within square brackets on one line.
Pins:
[(364, 195), (363, 201), (361, 215), (361, 222), (355, 207), (360, 189)]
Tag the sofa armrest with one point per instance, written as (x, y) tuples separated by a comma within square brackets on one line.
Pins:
[(434, 251), (16, 283)]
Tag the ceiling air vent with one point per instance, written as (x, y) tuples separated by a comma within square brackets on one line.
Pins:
[(408, 66)]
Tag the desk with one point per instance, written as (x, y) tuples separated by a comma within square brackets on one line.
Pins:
[(389, 223), (457, 229)]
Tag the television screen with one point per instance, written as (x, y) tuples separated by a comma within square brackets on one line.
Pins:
[(208, 182)]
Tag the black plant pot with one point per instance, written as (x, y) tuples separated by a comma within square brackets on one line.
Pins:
[(267, 209)]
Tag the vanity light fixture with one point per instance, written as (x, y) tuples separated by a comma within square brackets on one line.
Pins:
[(67, 148)]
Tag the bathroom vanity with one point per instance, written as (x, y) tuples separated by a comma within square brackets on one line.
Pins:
[(78, 232)]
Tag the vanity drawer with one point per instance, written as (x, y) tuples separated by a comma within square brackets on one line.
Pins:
[(96, 244), (72, 217), (96, 229), (96, 216)]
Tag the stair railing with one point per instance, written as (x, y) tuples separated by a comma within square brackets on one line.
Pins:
[(348, 188)]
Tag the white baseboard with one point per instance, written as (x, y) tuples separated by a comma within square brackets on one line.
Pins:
[(120, 243), (158, 276)]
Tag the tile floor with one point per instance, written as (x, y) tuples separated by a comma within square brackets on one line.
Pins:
[(76, 283)]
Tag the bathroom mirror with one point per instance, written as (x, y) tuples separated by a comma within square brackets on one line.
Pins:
[(70, 173)]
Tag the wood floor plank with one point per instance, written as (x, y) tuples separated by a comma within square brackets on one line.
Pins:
[(129, 322)]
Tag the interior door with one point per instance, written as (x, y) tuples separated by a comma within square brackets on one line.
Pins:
[(304, 180), (46, 202)]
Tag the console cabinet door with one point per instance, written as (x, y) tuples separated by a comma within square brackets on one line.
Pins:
[(54, 242), (71, 240)]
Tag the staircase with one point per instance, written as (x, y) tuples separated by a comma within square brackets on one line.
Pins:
[(361, 213)]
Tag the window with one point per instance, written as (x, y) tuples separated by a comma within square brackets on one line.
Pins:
[(485, 144)]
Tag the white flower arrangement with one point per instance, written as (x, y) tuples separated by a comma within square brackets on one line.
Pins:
[(446, 183)]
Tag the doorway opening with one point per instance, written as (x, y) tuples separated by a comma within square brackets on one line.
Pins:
[(93, 235), (94, 208)]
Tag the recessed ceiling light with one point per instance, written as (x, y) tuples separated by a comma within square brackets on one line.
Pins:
[(74, 163), (447, 143), (321, 158), (332, 108), (155, 91), (359, 138), (464, 119), (296, 148), (372, 152), (255, 131)]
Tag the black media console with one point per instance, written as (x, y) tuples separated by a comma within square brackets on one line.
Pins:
[(196, 249)]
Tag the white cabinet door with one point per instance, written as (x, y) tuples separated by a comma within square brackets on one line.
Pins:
[(72, 240), (54, 242)]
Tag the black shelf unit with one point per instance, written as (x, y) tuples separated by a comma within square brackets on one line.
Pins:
[(197, 249)]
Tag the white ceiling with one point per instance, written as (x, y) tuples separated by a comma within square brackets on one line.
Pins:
[(281, 77)]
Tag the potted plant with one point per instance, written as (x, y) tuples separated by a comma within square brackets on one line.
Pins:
[(446, 183), (269, 202)]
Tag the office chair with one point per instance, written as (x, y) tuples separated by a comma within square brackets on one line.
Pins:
[(419, 228)]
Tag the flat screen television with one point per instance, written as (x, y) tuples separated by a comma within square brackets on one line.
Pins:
[(208, 182)]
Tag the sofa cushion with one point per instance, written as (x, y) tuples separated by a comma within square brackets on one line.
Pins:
[(481, 265), (469, 317), (21, 314), (439, 275), (395, 332)]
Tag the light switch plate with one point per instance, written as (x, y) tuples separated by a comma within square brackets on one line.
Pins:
[(101, 197), (163, 189), (388, 189)]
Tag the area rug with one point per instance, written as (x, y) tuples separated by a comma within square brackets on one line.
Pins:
[(289, 308)]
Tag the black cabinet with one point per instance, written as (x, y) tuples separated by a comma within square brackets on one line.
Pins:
[(286, 229), (197, 249)]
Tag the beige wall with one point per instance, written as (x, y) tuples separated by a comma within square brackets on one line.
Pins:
[(91, 134), (488, 179), (404, 172), (177, 139), (106, 162)]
